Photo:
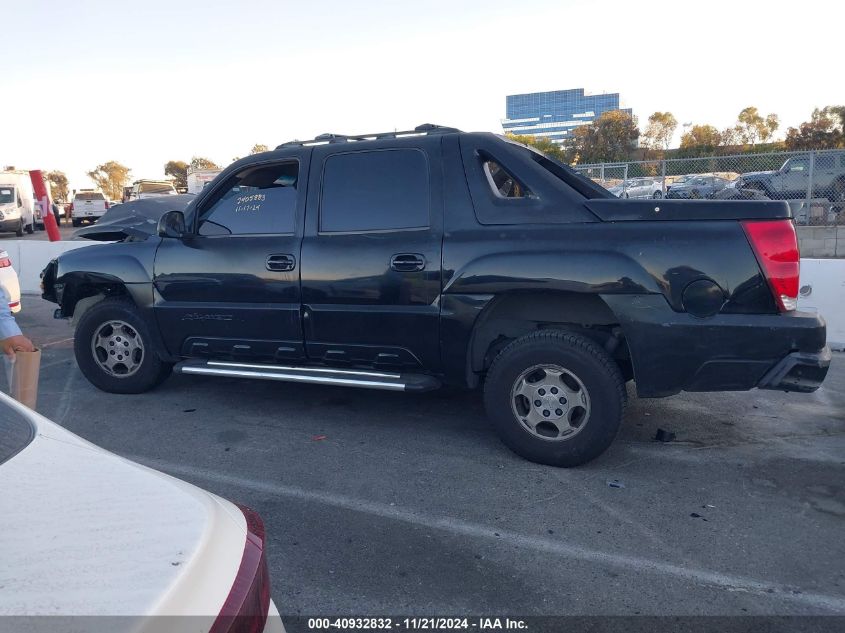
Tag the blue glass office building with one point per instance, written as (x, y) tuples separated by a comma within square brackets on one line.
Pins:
[(555, 114)]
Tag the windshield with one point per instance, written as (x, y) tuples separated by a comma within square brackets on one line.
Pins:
[(7, 195), (156, 187)]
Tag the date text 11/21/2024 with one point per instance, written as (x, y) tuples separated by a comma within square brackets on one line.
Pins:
[(417, 624)]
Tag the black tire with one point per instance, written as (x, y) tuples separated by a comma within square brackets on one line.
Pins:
[(695, 194), (657, 195), (29, 229), (579, 356), (75, 222), (151, 372), (19, 230)]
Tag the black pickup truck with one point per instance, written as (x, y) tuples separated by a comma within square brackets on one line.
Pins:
[(406, 261)]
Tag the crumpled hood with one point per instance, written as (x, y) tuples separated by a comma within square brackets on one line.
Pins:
[(135, 220)]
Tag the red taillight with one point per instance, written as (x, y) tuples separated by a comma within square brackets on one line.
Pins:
[(5, 262), (246, 607), (776, 246), (107, 204), (70, 208)]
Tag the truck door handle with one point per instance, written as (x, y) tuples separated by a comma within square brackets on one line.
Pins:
[(407, 262), (282, 262)]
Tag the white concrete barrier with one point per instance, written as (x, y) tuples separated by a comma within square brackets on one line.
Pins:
[(822, 280), (29, 257)]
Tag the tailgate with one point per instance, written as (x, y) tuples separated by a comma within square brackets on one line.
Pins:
[(620, 210)]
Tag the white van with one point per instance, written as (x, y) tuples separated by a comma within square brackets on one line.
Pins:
[(88, 206), (10, 210), (20, 216)]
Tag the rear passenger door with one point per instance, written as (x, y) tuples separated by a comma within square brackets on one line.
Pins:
[(371, 254)]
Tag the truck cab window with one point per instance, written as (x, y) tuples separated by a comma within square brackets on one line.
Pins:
[(256, 200)]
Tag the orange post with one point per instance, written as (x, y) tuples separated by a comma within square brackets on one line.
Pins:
[(44, 198)]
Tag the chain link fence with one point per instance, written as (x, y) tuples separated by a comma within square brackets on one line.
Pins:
[(812, 182)]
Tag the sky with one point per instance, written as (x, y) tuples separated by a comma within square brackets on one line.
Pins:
[(145, 82)]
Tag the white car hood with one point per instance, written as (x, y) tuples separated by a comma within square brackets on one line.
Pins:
[(83, 531)]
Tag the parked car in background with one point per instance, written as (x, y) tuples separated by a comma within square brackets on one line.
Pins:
[(737, 190), (9, 281), (792, 180), (644, 188), (697, 187), (57, 209), (88, 206), (89, 533), (150, 188)]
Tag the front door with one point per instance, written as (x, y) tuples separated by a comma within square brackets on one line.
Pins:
[(230, 289), (371, 256), (795, 178)]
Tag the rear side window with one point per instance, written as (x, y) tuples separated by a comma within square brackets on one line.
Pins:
[(256, 200), (378, 190), (501, 182), (90, 195)]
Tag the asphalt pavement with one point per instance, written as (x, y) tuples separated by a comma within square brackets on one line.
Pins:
[(391, 503)]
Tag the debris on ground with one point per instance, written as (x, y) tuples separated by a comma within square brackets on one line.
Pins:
[(663, 435), (318, 438), (615, 483)]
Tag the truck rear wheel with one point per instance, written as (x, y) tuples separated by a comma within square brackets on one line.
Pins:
[(29, 228), (555, 398), (113, 348)]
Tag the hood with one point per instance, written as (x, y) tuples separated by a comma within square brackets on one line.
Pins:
[(135, 220), (758, 174)]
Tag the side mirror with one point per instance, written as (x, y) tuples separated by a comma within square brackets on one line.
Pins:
[(172, 224)]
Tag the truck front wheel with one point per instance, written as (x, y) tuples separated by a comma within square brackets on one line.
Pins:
[(555, 398), (113, 348)]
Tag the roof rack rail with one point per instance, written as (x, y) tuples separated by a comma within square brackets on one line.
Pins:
[(425, 128)]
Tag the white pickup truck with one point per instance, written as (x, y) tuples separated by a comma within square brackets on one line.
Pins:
[(88, 206)]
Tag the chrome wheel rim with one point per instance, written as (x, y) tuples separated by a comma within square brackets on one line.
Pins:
[(118, 349), (550, 402)]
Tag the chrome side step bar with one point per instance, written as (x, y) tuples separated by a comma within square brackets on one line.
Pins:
[(315, 375)]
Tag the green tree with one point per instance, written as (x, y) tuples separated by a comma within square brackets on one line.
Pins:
[(258, 148), (824, 130), (178, 170), (660, 130), (612, 137), (540, 143), (58, 185), (198, 162), (110, 177), (752, 126), (703, 137)]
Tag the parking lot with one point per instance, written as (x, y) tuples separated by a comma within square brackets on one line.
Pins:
[(386, 503)]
